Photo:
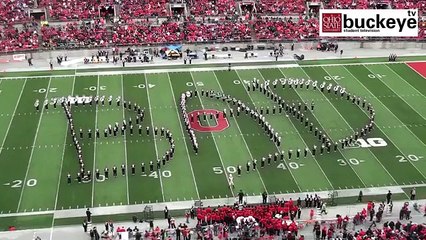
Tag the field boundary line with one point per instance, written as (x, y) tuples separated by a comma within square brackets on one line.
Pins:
[(60, 169), (153, 135), (392, 114), (303, 140), (201, 67), (95, 146), (35, 77), (285, 162), (351, 127), (177, 205), (32, 150), (413, 68), (338, 149), (214, 139), (125, 142), (411, 86), (183, 136)]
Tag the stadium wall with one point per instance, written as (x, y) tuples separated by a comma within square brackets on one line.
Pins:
[(46, 55)]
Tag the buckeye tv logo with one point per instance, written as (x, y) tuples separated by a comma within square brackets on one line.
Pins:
[(369, 23)]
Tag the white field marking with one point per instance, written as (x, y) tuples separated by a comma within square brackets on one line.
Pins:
[(60, 169), (384, 82), (32, 150), (35, 77), (205, 67), (411, 86), (340, 151), (214, 140), (183, 135), (95, 147), (125, 144), (393, 115), (413, 68), (303, 140), (13, 115), (285, 162), (239, 129), (155, 141), (371, 152)]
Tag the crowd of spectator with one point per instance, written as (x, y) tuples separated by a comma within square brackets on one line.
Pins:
[(13, 11), (252, 221), (371, 216), (289, 7), (259, 21), (280, 29), (14, 39), (75, 35), (280, 219), (212, 7), (141, 9), (218, 32), (142, 33)]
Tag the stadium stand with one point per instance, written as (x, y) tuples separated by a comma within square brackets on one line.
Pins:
[(271, 7), (142, 33), (281, 29), (18, 39), (141, 9), (225, 31), (73, 35), (140, 22), (13, 11), (213, 8), (64, 10)]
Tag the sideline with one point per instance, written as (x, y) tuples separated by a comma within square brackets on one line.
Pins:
[(180, 205)]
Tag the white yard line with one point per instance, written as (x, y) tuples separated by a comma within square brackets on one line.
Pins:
[(338, 149), (155, 141), (303, 140), (409, 84), (60, 169), (214, 140), (13, 115), (285, 162), (183, 135), (384, 82), (32, 150), (362, 110), (244, 140), (125, 143), (393, 115), (95, 147)]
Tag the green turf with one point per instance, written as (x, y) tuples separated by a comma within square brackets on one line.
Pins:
[(37, 153), (420, 192)]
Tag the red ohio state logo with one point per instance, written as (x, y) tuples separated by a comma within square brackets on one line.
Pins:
[(221, 122), (331, 22)]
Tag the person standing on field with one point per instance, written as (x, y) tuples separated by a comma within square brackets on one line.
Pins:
[(413, 194), (388, 197), (89, 215)]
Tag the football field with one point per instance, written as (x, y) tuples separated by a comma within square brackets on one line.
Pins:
[(37, 152)]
